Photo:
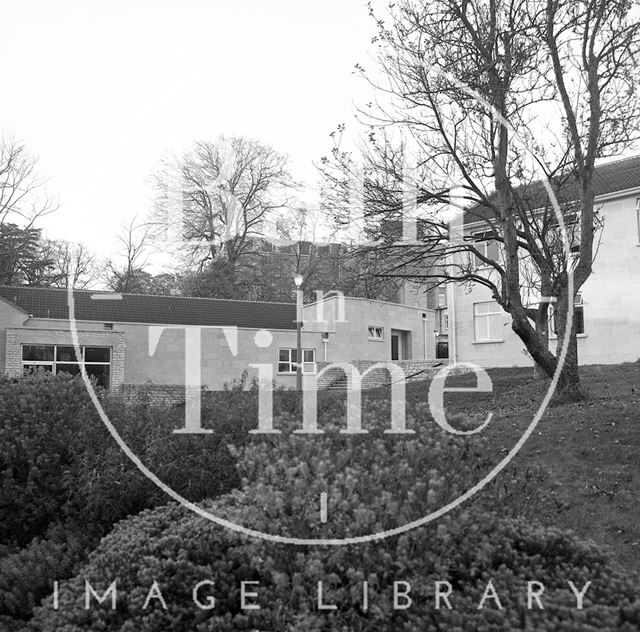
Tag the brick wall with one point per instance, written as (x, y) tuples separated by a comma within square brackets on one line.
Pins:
[(16, 337)]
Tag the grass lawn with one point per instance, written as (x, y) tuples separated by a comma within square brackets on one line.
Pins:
[(588, 451)]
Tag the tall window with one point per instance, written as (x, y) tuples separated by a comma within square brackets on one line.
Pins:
[(578, 315), (638, 217), (487, 247), (287, 360), (62, 359), (443, 320), (488, 321)]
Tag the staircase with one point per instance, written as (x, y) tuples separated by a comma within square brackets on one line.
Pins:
[(335, 379)]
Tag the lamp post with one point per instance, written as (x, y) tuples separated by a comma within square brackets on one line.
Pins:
[(298, 279)]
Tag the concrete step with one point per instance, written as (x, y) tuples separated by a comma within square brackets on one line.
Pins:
[(337, 380)]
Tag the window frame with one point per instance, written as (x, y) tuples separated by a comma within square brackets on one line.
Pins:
[(578, 305), (54, 362), (375, 338), (442, 320), (482, 240), (499, 311), (293, 369)]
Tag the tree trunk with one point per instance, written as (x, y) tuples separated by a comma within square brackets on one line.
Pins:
[(569, 383), (536, 344), (542, 331)]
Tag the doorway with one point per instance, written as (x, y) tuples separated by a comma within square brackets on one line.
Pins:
[(395, 346), (400, 345)]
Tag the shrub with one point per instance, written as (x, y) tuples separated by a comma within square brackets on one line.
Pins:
[(27, 574), (373, 482), (178, 550), (59, 464), (62, 473), (39, 427)]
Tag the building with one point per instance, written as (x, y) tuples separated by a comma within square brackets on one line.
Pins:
[(607, 309), (162, 342)]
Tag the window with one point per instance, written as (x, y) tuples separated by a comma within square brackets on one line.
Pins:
[(578, 315), (62, 359), (570, 218), (571, 221), (287, 361), (488, 321), (638, 217), (442, 316), (375, 332), (486, 246)]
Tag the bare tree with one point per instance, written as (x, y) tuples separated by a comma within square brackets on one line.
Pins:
[(227, 190), (72, 264), (130, 275), (571, 64), (23, 259), (22, 197)]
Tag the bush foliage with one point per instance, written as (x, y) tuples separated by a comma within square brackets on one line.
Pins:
[(64, 481), (178, 550), (374, 482)]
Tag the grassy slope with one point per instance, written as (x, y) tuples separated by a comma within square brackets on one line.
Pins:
[(590, 451)]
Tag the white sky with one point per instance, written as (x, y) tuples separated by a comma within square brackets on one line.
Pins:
[(101, 89)]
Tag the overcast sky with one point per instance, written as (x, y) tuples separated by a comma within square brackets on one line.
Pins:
[(101, 89)]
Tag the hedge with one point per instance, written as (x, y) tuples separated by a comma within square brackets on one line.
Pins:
[(64, 481), (373, 482)]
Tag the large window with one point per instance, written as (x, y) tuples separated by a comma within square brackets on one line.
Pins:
[(488, 322), (578, 315), (62, 359), (487, 247), (287, 360), (442, 319)]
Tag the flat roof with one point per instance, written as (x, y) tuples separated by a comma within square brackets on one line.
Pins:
[(91, 305)]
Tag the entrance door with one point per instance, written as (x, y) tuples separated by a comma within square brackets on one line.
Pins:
[(395, 347), (442, 349)]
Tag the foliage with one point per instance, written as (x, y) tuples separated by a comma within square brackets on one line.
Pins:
[(26, 574), (467, 550), (217, 280), (23, 258), (373, 482), (61, 473)]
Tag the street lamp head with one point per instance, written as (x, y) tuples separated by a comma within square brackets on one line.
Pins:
[(298, 279)]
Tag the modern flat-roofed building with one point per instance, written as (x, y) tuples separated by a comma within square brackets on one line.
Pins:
[(130, 340)]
